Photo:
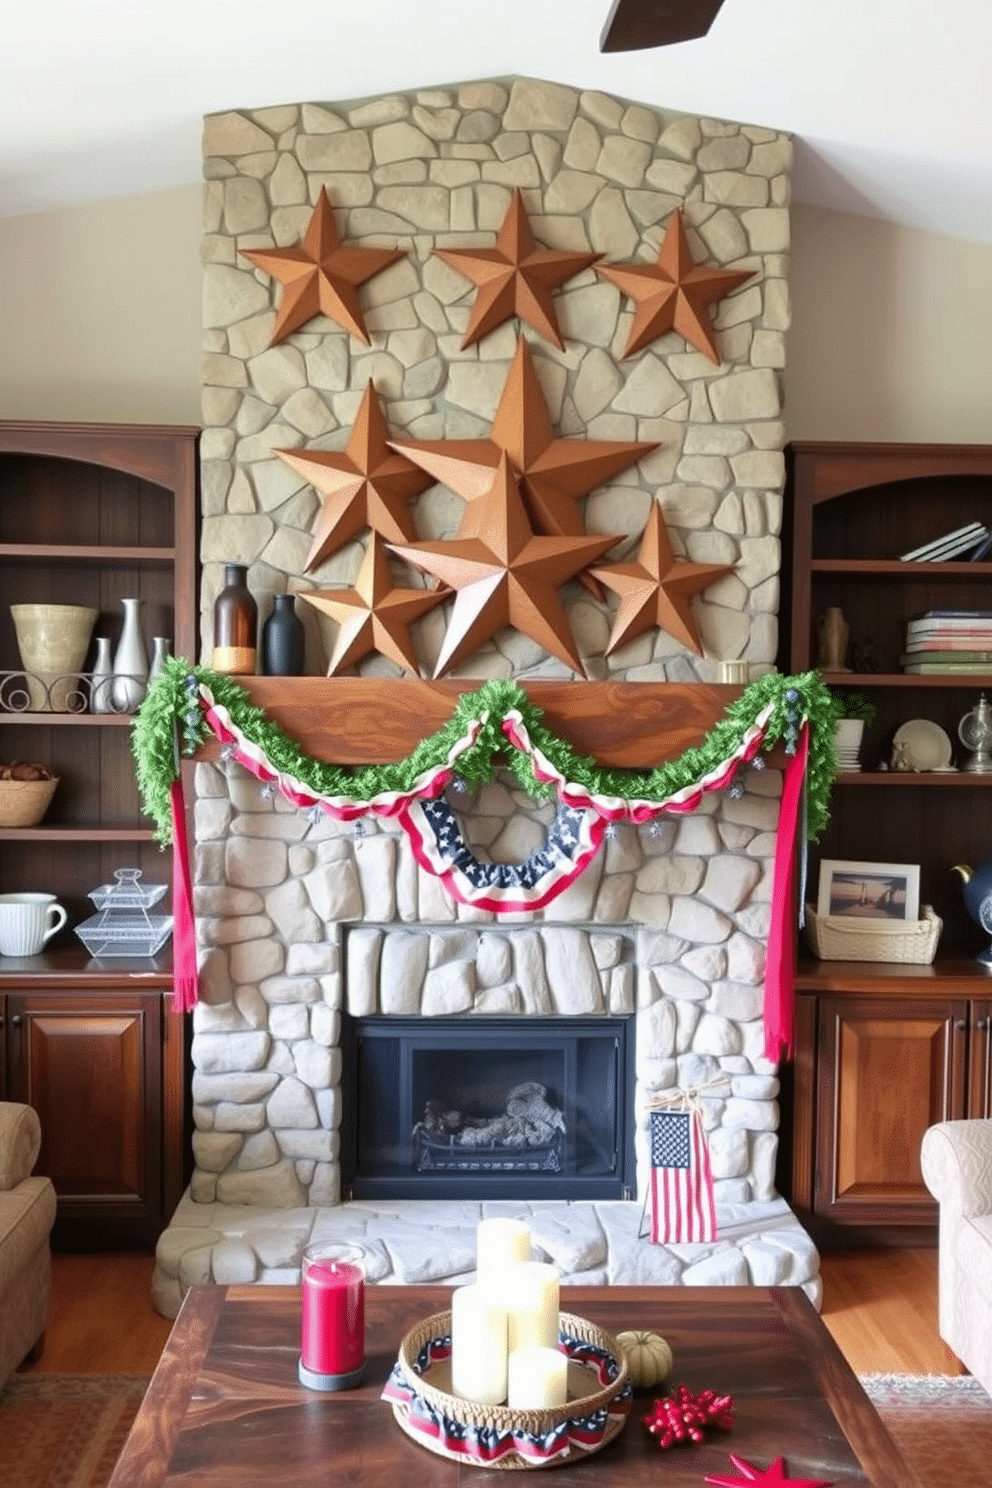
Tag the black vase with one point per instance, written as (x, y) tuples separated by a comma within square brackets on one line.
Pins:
[(282, 639)]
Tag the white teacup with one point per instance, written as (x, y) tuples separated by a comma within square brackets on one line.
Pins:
[(27, 921)]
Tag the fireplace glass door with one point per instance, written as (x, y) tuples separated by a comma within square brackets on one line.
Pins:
[(524, 1108)]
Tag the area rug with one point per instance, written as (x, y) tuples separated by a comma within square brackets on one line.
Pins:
[(942, 1424), (65, 1430)]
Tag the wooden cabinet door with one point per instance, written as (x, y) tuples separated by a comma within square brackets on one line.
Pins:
[(980, 1059), (887, 1070), (91, 1067)]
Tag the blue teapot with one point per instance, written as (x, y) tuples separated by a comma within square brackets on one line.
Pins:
[(978, 900)]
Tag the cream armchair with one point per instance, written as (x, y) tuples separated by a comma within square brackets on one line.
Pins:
[(27, 1213), (956, 1157)]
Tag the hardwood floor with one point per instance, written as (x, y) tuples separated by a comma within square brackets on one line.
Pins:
[(880, 1306)]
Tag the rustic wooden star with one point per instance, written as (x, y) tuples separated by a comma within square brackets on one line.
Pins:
[(505, 575), (553, 474), (515, 277), (674, 293), (750, 1475), (656, 590), (364, 485), (375, 615), (320, 275)]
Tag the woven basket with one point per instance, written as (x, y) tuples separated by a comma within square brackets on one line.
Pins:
[(23, 803), (586, 1396), (836, 938)]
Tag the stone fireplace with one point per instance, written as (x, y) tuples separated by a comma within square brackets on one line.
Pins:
[(307, 929)]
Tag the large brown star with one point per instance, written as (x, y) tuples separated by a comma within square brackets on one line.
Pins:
[(515, 277), (656, 590), (553, 474), (320, 275), (374, 616), (364, 485), (673, 294), (505, 575)]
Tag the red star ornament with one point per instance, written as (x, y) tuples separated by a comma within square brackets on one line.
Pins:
[(673, 293), (515, 277), (771, 1475), (553, 474), (320, 275), (657, 590), (506, 576), (375, 615), (364, 485)]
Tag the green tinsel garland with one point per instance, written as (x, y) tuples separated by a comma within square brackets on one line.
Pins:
[(170, 706)]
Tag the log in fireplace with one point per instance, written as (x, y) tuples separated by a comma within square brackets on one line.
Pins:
[(502, 1107)]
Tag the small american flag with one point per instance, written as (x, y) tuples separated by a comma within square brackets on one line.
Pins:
[(682, 1207)]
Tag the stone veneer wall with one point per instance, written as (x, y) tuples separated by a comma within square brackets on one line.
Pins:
[(679, 918)]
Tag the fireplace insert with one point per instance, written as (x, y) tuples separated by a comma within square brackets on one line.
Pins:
[(500, 1107)]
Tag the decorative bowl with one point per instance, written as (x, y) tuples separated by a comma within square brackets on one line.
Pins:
[(599, 1400), (23, 803)]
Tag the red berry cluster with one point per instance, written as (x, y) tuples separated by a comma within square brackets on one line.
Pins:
[(683, 1417)]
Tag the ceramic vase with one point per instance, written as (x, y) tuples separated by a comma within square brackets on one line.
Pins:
[(100, 701), (53, 641), (160, 654), (130, 682), (282, 639)]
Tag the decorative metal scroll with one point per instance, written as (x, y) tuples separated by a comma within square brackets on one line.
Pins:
[(68, 692)]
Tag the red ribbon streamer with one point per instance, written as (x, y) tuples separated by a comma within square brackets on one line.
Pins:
[(185, 992), (779, 1008)]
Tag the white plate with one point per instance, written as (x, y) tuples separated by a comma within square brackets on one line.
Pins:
[(927, 746)]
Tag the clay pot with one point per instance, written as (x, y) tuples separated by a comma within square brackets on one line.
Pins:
[(53, 641)]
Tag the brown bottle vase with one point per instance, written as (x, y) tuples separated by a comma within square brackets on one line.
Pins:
[(235, 624)]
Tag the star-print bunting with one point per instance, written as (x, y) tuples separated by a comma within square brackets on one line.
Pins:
[(364, 485), (515, 277), (375, 615), (674, 293), (320, 275), (656, 590), (749, 1475), (506, 575)]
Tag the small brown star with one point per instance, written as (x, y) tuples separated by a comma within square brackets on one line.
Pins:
[(364, 485), (375, 615), (553, 474), (505, 575), (515, 278), (656, 590), (319, 276), (673, 293)]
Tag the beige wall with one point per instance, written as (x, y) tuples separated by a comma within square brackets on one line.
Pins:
[(891, 330)]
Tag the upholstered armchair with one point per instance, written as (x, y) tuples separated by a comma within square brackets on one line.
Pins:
[(27, 1213), (956, 1158)]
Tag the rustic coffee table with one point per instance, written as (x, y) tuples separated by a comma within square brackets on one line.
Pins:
[(225, 1409)]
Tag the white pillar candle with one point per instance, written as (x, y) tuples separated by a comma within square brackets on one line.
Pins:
[(499, 1243), (531, 1292), (536, 1377), (478, 1344)]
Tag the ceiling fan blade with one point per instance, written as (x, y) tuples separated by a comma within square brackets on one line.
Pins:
[(634, 25)]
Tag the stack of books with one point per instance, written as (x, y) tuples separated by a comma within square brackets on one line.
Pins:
[(974, 539), (949, 641)]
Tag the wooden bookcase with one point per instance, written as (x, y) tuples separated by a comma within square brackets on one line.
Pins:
[(89, 514), (884, 1050)]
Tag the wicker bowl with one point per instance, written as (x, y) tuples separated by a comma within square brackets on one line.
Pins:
[(599, 1396), (909, 942), (23, 803)]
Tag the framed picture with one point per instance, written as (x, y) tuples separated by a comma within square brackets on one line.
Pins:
[(870, 891)]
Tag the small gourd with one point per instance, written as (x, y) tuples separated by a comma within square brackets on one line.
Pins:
[(649, 1358)]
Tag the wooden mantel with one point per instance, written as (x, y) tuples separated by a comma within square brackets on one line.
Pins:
[(374, 720)]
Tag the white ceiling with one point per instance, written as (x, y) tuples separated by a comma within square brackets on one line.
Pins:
[(888, 100)]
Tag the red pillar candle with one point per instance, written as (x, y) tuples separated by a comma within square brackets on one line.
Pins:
[(332, 1324)]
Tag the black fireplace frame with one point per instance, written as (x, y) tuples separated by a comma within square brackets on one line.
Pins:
[(553, 1033)]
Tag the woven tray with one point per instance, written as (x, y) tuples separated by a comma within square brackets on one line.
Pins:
[(599, 1397), (836, 938)]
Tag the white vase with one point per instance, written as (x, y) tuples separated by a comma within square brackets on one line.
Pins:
[(100, 700), (160, 654), (130, 661), (53, 640)]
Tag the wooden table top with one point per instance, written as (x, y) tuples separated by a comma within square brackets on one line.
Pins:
[(225, 1409)]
